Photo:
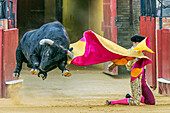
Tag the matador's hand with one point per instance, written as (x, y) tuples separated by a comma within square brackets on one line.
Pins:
[(111, 66)]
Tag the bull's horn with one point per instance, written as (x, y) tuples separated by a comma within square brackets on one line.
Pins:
[(70, 54), (48, 41)]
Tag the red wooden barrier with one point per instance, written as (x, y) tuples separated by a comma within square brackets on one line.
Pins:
[(164, 61), (10, 43), (147, 29), (1, 62), (9, 40)]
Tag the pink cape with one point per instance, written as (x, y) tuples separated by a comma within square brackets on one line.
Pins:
[(99, 50)]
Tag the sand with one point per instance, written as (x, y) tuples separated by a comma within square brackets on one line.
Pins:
[(84, 92)]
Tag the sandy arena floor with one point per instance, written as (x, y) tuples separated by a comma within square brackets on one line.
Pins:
[(84, 92)]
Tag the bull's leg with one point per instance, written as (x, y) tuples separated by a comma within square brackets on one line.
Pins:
[(20, 59), (35, 62), (43, 75), (65, 72)]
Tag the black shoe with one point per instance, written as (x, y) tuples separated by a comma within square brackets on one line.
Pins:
[(128, 95), (108, 102)]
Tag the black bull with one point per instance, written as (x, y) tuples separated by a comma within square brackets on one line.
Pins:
[(44, 49)]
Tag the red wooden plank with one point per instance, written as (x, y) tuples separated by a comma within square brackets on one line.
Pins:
[(165, 54), (114, 15), (153, 47), (1, 63), (15, 11), (168, 66), (142, 26), (107, 19), (10, 42), (110, 12), (163, 60), (159, 49), (106, 2), (147, 29), (149, 73), (109, 27), (151, 69)]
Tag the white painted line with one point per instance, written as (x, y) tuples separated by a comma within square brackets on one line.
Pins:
[(163, 80), (14, 81)]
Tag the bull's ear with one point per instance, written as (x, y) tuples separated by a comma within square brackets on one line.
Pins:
[(71, 49), (46, 41)]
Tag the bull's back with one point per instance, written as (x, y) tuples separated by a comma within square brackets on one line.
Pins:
[(54, 31)]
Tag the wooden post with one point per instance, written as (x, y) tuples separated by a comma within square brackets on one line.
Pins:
[(110, 26)]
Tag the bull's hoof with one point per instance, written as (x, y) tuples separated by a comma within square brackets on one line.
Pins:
[(43, 75), (66, 73), (128, 95), (108, 102), (16, 74), (34, 71)]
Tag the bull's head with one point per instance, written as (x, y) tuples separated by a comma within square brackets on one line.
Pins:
[(52, 54)]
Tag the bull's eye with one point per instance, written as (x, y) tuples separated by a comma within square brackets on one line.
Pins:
[(48, 54)]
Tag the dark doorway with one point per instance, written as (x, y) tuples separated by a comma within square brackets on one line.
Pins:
[(34, 13), (30, 15)]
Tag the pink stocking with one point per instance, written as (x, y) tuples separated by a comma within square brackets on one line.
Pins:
[(121, 101)]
